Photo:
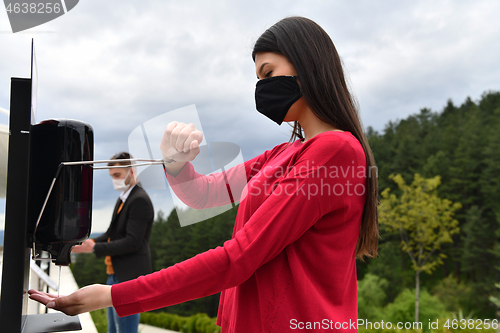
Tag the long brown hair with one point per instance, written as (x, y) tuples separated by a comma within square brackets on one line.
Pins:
[(319, 68)]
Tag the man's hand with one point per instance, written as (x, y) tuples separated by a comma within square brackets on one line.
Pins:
[(86, 247), (89, 298)]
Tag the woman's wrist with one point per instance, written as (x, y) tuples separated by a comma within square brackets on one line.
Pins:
[(95, 297), (174, 169), (106, 299)]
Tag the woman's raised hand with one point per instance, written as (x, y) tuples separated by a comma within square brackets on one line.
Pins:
[(89, 298), (180, 142)]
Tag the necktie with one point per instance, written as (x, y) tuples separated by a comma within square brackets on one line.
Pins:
[(119, 208)]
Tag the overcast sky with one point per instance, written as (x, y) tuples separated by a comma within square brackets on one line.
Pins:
[(117, 64)]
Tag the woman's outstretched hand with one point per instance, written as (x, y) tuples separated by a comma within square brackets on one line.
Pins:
[(87, 299), (180, 142)]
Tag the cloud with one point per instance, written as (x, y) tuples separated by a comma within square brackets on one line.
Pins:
[(422, 56)]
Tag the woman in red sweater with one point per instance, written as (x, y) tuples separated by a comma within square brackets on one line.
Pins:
[(308, 208)]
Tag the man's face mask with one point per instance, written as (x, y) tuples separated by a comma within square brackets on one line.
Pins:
[(275, 95), (119, 184)]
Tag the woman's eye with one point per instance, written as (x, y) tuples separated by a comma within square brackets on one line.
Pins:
[(268, 74)]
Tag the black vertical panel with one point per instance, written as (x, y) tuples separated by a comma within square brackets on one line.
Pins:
[(16, 252)]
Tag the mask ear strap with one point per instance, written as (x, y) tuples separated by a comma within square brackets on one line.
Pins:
[(127, 176)]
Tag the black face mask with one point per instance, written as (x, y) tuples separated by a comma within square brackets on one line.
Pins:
[(275, 95)]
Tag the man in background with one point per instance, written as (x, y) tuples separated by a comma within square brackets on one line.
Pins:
[(125, 245)]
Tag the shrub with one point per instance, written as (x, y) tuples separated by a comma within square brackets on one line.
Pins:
[(403, 308), (452, 294), (198, 323), (371, 296)]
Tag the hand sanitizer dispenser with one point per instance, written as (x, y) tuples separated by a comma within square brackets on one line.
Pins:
[(60, 196)]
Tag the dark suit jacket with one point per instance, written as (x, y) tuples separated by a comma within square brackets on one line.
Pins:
[(129, 234)]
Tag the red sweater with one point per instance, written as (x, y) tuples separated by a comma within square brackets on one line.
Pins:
[(291, 262)]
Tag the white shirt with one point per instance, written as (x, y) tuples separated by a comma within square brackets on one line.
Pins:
[(124, 195)]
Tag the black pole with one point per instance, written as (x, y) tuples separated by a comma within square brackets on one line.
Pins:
[(16, 252)]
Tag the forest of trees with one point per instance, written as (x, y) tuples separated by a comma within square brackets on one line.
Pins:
[(461, 145)]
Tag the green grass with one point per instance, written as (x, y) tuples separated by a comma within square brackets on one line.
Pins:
[(100, 320)]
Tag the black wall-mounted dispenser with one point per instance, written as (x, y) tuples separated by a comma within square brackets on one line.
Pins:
[(67, 214)]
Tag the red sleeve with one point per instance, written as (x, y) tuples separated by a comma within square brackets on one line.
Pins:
[(281, 219), (216, 189)]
